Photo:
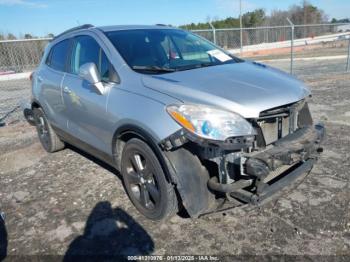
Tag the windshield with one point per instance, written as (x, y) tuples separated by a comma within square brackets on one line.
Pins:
[(166, 50)]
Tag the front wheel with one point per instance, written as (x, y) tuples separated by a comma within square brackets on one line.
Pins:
[(145, 181)]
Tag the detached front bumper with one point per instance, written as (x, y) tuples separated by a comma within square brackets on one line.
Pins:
[(269, 171), (28, 113)]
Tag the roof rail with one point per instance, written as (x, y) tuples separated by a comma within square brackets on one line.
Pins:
[(85, 26)]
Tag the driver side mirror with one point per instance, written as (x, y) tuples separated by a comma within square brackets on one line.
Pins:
[(90, 73)]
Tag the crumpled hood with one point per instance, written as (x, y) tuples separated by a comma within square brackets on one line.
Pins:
[(246, 88)]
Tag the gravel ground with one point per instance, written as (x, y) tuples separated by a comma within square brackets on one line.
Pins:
[(68, 202), (12, 94)]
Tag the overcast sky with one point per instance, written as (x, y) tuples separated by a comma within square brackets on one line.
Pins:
[(40, 17)]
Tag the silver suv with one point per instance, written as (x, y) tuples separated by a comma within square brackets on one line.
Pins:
[(187, 124)]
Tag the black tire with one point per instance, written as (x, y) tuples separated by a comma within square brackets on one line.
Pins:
[(145, 181), (47, 136)]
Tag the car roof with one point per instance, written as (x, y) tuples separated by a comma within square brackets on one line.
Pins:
[(132, 27), (108, 29)]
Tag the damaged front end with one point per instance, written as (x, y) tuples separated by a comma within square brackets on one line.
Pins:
[(246, 169)]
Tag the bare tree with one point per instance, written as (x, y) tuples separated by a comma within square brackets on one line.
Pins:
[(11, 36), (28, 36)]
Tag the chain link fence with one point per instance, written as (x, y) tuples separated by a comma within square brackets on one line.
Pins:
[(229, 38), (21, 55), (297, 49), (316, 49), (18, 58)]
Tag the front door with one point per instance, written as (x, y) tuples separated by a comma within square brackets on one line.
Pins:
[(85, 106)]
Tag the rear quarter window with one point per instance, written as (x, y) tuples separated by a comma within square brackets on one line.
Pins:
[(58, 56)]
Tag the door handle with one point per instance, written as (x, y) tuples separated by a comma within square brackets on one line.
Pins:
[(66, 90)]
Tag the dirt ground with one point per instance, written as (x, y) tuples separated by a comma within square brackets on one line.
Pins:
[(69, 203)]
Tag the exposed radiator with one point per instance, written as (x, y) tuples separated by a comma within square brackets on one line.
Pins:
[(279, 122), (270, 128)]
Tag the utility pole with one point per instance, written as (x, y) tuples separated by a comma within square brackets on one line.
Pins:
[(240, 25)]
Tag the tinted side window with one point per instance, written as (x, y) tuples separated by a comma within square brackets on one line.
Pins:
[(58, 55), (87, 50)]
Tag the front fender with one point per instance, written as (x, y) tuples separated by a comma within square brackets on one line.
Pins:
[(191, 181)]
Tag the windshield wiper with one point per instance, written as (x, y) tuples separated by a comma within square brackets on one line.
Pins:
[(195, 66), (154, 68), (207, 64)]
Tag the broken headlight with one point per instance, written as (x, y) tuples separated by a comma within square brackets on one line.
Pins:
[(210, 122)]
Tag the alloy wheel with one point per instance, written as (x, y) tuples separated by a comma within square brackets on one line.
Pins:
[(142, 181)]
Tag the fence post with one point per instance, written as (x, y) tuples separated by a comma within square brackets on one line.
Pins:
[(291, 45), (240, 26), (214, 32), (241, 39), (348, 60)]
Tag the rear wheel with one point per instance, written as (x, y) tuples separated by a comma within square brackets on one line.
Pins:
[(47, 136), (145, 181)]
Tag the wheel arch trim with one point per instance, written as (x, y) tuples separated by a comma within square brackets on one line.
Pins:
[(138, 132)]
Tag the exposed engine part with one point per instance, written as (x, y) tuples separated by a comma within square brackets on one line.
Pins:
[(263, 171), (213, 184)]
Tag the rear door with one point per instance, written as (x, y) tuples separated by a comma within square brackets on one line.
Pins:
[(49, 78), (85, 107)]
